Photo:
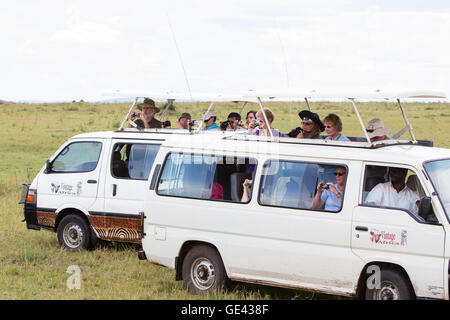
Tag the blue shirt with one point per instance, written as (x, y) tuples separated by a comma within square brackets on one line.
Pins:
[(331, 200), (213, 126), (340, 138)]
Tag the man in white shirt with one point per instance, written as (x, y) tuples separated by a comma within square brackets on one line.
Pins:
[(394, 193)]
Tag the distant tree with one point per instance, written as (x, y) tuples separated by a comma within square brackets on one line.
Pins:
[(171, 108)]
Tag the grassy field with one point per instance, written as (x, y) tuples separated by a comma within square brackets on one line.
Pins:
[(32, 266)]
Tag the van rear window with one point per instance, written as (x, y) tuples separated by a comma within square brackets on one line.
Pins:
[(208, 177)]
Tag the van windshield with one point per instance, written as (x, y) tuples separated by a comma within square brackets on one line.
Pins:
[(439, 172)]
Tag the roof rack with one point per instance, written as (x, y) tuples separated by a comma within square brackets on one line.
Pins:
[(258, 97)]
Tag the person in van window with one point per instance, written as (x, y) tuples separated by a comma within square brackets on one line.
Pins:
[(183, 121), (146, 118), (311, 128), (246, 191), (262, 128), (333, 128), (394, 193), (329, 196), (377, 131), (216, 191), (210, 120)]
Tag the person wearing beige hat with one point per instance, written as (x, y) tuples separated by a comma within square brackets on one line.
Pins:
[(209, 118), (146, 119), (377, 131)]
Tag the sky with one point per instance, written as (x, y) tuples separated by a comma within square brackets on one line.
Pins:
[(75, 49)]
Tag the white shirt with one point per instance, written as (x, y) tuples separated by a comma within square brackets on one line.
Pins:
[(384, 195)]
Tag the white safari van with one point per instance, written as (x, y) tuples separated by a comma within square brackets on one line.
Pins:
[(181, 193), (94, 185), (372, 241)]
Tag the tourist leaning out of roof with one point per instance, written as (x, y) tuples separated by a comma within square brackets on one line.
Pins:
[(233, 123), (329, 196), (333, 128), (183, 121), (311, 128), (146, 118), (250, 121), (262, 127), (377, 131), (209, 119)]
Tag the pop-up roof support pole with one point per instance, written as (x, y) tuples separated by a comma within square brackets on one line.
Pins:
[(203, 118), (408, 125), (169, 104), (307, 103), (128, 114), (265, 118), (243, 107), (360, 120)]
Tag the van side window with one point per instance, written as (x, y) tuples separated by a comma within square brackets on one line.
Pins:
[(78, 157), (209, 177), (133, 161), (294, 184), (392, 187)]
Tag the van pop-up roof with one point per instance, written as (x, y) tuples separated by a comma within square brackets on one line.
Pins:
[(284, 95)]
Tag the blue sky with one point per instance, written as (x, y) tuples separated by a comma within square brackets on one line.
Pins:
[(65, 50)]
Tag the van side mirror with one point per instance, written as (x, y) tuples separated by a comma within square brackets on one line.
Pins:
[(48, 166), (426, 210)]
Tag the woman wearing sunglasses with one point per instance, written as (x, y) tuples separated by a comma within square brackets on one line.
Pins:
[(333, 128), (329, 196)]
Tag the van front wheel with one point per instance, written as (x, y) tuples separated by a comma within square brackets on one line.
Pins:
[(203, 270), (393, 286), (74, 233)]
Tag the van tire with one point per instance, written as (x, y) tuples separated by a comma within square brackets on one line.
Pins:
[(394, 286), (74, 233), (203, 270)]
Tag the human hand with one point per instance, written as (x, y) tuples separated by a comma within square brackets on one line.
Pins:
[(321, 187), (133, 116), (332, 188)]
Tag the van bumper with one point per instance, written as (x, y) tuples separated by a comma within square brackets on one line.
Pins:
[(29, 208)]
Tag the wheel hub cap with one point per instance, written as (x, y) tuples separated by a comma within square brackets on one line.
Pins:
[(202, 273)]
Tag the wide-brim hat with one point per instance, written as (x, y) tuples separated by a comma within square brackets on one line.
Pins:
[(185, 115), (208, 115), (306, 114), (148, 103), (376, 128)]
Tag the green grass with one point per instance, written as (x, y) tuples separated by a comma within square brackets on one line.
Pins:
[(32, 266)]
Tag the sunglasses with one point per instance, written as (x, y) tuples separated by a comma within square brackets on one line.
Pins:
[(328, 127), (339, 173), (307, 123)]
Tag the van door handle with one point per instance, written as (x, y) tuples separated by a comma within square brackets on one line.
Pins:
[(114, 189), (361, 228), (92, 181)]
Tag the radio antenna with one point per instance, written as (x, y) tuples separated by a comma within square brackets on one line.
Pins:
[(179, 55), (285, 63), (284, 54)]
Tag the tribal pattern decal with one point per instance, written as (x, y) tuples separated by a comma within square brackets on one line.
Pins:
[(46, 218), (126, 229)]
